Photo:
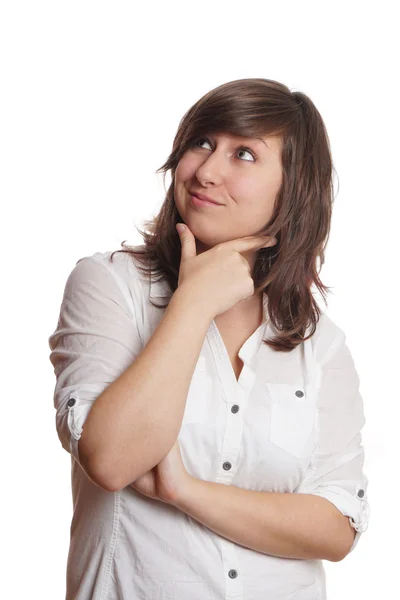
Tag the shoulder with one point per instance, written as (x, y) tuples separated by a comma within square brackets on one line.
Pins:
[(327, 339), (119, 264), (121, 269), (112, 264), (110, 274)]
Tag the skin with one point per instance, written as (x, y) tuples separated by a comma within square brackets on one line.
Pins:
[(247, 186), (168, 481), (246, 182), (285, 523)]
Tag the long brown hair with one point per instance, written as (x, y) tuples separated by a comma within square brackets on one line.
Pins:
[(303, 206)]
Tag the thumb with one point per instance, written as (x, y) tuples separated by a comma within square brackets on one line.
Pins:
[(188, 241)]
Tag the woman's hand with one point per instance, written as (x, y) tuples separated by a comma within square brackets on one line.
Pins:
[(167, 480), (220, 277)]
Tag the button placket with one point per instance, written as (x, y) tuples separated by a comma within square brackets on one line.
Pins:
[(231, 566), (232, 438), (236, 395)]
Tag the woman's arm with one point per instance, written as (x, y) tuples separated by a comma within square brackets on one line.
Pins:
[(287, 525), (134, 423), (327, 513), (120, 406)]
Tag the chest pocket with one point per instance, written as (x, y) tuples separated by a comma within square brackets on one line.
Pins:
[(293, 412), (199, 402)]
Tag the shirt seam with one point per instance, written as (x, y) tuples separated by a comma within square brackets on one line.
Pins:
[(122, 285), (113, 545), (318, 365), (316, 384), (117, 279)]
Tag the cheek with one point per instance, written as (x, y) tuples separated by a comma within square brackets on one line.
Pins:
[(185, 169), (254, 200), (246, 190), (259, 191)]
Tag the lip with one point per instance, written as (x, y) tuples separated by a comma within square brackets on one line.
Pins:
[(203, 200)]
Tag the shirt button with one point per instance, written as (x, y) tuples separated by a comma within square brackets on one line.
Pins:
[(360, 493), (233, 573), (71, 402), (299, 393), (226, 466), (235, 408)]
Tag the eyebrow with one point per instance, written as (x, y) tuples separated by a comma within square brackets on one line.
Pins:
[(261, 140)]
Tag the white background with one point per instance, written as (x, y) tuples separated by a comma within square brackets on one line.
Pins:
[(91, 97)]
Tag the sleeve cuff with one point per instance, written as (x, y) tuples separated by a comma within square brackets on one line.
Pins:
[(354, 506), (78, 410)]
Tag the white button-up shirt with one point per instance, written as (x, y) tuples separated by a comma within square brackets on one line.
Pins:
[(291, 423)]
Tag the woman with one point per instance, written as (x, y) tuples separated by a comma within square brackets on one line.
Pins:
[(215, 438)]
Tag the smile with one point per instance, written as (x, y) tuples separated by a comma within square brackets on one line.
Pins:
[(202, 203)]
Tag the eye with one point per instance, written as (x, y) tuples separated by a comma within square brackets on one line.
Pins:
[(196, 144)]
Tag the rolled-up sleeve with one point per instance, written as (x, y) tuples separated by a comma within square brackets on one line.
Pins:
[(336, 469), (95, 341)]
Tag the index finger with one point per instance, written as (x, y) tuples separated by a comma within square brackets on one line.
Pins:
[(252, 242)]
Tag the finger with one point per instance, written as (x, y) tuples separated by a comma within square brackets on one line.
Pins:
[(188, 243), (252, 242)]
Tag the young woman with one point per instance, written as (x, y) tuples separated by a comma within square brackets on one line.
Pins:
[(215, 437)]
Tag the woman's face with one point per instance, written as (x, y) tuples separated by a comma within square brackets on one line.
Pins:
[(242, 174)]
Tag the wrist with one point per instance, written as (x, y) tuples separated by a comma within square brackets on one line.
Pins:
[(185, 492), (189, 300)]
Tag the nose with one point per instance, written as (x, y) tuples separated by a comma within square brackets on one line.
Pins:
[(212, 170)]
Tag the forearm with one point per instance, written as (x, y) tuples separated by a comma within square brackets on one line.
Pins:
[(134, 423), (288, 525)]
